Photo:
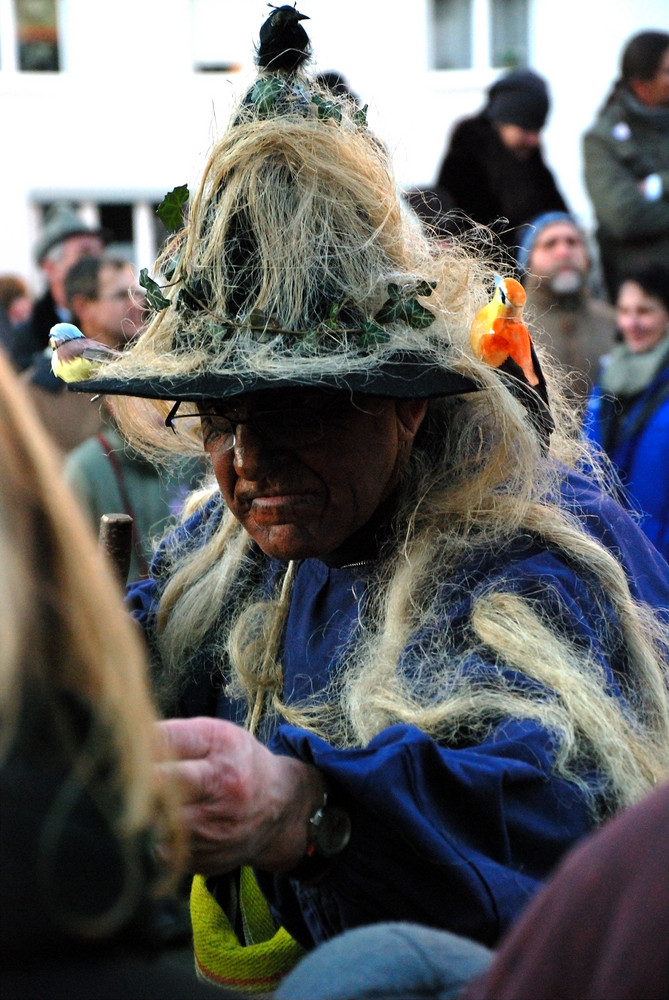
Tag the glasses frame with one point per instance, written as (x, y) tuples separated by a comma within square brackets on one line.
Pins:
[(317, 420)]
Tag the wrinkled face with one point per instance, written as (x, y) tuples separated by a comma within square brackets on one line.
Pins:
[(560, 255), (520, 141), (654, 93), (642, 319), (308, 467)]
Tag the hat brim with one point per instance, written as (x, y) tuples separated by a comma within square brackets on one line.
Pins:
[(403, 375)]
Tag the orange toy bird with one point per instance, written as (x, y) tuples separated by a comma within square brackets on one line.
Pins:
[(498, 331)]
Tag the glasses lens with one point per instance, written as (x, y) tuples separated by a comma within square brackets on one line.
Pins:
[(187, 426), (294, 428), (217, 430)]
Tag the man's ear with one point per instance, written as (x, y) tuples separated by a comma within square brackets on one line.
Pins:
[(410, 414)]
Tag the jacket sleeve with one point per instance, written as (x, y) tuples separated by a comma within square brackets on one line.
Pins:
[(453, 838), (460, 835), (622, 210)]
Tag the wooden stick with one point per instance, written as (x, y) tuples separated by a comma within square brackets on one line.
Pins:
[(115, 537)]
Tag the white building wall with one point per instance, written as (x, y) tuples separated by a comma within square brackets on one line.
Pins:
[(127, 118)]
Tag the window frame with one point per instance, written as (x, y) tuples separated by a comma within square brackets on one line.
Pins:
[(480, 27)]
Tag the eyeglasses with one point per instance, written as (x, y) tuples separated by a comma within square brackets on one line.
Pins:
[(289, 427)]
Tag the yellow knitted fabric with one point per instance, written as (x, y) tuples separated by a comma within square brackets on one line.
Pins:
[(256, 967)]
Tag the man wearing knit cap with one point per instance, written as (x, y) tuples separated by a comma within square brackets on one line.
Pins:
[(555, 266), (494, 167)]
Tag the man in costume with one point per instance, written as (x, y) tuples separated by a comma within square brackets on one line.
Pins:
[(410, 653)]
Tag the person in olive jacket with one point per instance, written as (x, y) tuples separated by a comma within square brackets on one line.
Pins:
[(626, 158)]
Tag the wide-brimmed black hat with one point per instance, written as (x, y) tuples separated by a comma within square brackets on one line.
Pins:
[(298, 265), (403, 375)]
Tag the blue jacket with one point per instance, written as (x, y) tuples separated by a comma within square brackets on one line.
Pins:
[(639, 447), (460, 835)]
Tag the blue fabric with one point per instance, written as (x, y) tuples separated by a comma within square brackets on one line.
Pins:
[(640, 454), (454, 836)]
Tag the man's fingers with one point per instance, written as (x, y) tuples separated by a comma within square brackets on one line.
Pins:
[(187, 739), (194, 779)]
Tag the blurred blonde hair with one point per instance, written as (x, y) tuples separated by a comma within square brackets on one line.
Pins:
[(67, 636)]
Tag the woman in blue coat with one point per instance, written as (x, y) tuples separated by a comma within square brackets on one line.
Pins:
[(628, 411)]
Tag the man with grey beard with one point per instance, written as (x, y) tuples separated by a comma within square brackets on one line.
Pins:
[(575, 327)]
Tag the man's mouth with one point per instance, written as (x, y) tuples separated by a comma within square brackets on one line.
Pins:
[(277, 507)]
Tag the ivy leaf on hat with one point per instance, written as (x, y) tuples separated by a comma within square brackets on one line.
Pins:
[(154, 295), (170, 211)]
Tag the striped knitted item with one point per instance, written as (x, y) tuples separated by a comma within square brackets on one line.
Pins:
[(256, 967)]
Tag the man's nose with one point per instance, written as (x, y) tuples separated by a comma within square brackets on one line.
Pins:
[(253, 454)]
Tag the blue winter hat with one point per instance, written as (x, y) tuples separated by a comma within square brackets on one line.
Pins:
[(531, 232)]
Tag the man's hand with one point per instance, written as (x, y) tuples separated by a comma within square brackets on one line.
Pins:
[(241, 804)]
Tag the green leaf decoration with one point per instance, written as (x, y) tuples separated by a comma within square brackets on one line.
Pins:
[(170, 210), (402, 307), (371, 328), (326, 109), (372, 334), (154, 295), (266, 93), (389, 311), (359, 116), (424, 288), (417, 316), (333, 313)]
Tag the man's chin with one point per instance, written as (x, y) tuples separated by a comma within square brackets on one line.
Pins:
[(567, 282), (288, 541)]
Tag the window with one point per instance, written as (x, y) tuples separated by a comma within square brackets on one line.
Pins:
[(453, 34), (479, 34), (508, 33), (37, 35)]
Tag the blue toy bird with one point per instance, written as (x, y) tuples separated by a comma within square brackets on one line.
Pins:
[(75, 357)]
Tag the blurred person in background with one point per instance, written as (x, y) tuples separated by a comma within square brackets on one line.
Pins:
[(106, 475), (15, 297), (555, 266), (104, 297), (15, 306), (494, 167), (628, 411), (86, 899), (626, 158), (65, 238)]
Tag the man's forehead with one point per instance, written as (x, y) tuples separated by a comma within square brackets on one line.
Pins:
[(559, 230), (114, 274), (83, 241)]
